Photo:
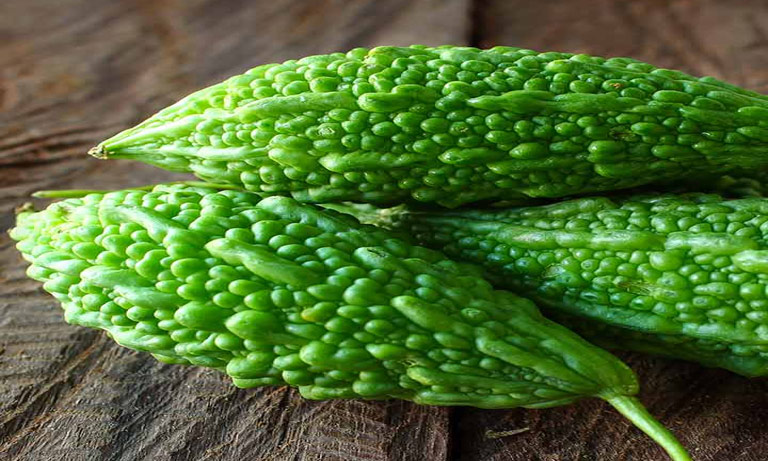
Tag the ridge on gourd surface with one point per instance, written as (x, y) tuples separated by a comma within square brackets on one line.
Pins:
[(452, 125), (680, 275), (273, 292)]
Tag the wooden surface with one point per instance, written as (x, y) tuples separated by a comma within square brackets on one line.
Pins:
[(74, 71)]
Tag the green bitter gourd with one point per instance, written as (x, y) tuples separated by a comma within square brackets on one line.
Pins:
[(679, 275), (273, 292), (452, 125)]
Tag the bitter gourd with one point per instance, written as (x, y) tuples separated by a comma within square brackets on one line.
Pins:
[(452, 125), (680, 275), (273, 293)]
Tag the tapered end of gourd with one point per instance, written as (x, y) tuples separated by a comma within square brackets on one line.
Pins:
[(26, 207), (99, 152), (634, 411)]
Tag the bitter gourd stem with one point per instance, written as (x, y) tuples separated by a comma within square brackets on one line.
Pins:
[(634, 411)]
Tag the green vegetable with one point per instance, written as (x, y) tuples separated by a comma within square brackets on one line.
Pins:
[(679, 275), (277, 293), (452, 125)]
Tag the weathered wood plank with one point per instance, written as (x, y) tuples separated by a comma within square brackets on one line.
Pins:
[(71, 73), (74, 71), (717, 414)]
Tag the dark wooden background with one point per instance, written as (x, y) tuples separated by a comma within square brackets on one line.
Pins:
[(73, 72)]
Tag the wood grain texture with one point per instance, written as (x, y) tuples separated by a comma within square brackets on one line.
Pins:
[(73, 72)]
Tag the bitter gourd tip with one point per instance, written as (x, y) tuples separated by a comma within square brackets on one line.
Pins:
[(26, 207), (98, 151)]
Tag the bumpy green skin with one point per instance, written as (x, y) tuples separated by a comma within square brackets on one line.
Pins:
[(452, 125), (273, 292), (679, 275)]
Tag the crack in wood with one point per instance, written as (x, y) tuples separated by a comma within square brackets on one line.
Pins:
[(23, 419)]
